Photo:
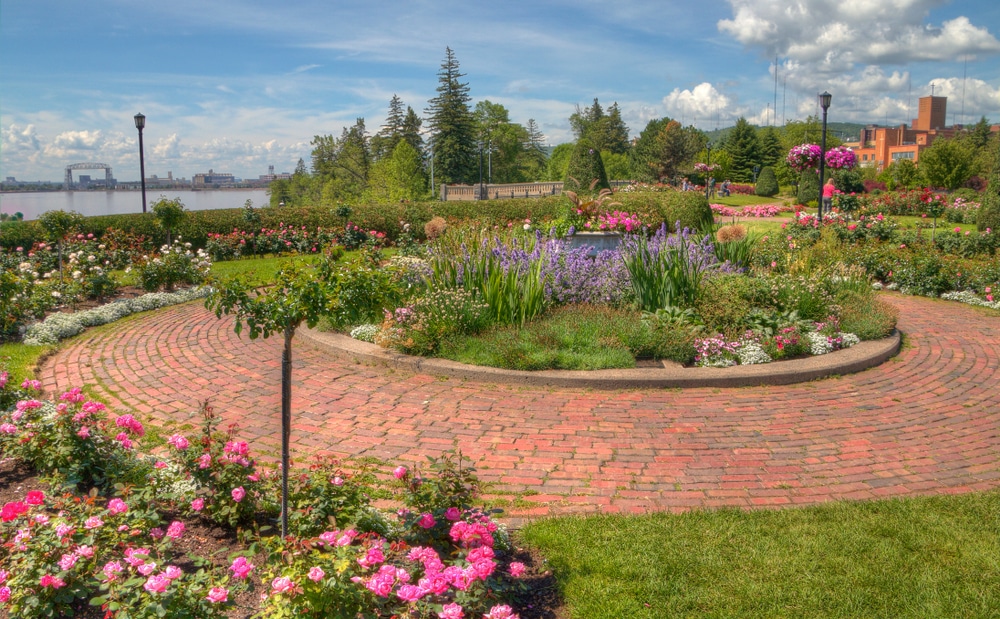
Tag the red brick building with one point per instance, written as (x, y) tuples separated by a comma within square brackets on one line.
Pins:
[(881, 146)]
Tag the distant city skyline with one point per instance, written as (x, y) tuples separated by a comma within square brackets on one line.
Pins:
[(239, 86)]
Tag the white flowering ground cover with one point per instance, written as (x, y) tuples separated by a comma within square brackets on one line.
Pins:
[(60, 326)]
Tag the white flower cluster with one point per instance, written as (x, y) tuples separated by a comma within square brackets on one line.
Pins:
[(365, 333), (60, 326), (752, 353), (849, 339), (819, 344), (967, 296)]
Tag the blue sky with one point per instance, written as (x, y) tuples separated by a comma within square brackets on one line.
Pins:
[(237, 86)]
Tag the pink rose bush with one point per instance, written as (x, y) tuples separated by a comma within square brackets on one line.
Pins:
[(437, 558)]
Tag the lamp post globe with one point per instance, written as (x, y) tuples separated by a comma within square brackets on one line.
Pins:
[(824, 102), (140, 124)]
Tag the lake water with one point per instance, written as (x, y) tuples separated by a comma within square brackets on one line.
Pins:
[(90, 203)]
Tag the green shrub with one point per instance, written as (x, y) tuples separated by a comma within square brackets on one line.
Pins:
[(989, 205), (725, 300), (866, 315), (690, 208), (767, 183), (585, 167), (808, 186), (848, 181), (24, 234)]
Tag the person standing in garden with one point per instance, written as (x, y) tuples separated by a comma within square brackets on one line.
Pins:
[(828, 191)]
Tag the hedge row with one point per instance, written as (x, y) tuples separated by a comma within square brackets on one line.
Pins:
[(690, 208)]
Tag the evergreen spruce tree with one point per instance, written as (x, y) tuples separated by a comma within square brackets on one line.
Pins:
[(743, 146), (391, 132), (451, 122), (767, 183), (411, 129), (585, 167), (535, 157), (770, 147), (808, 186)]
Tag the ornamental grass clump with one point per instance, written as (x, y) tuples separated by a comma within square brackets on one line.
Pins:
[(667, 269), (504, 271)]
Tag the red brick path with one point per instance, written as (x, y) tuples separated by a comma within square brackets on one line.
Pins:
[(925, 422)]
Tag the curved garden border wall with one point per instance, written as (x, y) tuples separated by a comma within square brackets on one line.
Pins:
[(855, 359)]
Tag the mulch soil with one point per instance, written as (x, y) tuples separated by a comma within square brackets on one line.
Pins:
[(211, 541)]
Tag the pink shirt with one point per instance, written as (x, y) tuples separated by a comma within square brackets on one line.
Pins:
[(828, 191)]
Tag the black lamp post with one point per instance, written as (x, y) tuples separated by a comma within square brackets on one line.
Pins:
[(140, 123), (824, 102)]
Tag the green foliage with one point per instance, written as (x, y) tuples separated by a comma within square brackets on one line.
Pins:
[(989, 205), (866, 315), (585, 167), (177, 264), (663, 149), (558, 163), (767, 183), (398, 177), (572, 337), (432, 318), (663, 273), (168, 214), (744, 149), (725, 299), (946, 163), (900, 174), (848, 181), (604, 131), (808, 187)]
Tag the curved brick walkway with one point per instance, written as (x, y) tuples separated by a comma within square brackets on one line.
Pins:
[(927, 421)]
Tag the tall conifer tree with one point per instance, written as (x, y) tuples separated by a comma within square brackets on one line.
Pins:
[(450, 120)]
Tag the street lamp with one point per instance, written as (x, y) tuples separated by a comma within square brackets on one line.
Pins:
[(140, 124), (824, 102)]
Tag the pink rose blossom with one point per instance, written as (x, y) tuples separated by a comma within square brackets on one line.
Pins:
[(500, 611), (400, 472), (198, 504), (4, 594), (516, 569), (48, 580), (337, 481), (410, 593), (217, 595), (241, 568), (238, 494), (316, 574), (111, 570), (157, 583), (117, 506), (451, 611), (178, 442), (282, 584), (452, 514), (426, 521), (175, 530), (173, 572), (34, 497), (83, 432), (85, 551), (92, 523), (205, 461), (147, 568), (67, 561), (156, 533)]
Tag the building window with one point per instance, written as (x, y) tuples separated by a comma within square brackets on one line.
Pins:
[(904, 155)]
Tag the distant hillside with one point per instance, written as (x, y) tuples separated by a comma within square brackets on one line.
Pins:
[(842, 131)]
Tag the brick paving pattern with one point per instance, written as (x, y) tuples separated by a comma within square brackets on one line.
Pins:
[(927, 421)]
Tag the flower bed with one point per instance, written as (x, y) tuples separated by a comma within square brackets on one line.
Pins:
[(124, 549)]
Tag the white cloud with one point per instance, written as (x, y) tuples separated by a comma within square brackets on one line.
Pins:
[(20, 139), (838, 36), (701, 102)]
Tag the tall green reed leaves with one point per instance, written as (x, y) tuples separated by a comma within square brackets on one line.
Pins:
[(667, 270), (503, 269)]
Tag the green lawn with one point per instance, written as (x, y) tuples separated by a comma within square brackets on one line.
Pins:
[(914, 558), (739, 200), (20, 360), (260, 270)]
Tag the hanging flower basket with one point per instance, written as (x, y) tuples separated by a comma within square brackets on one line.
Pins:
[(804, 157)]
